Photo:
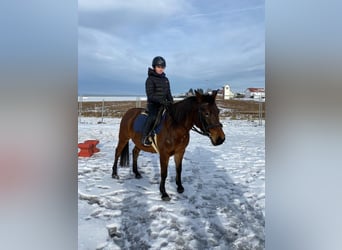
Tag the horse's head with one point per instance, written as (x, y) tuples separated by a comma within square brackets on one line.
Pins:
[(207, 118)]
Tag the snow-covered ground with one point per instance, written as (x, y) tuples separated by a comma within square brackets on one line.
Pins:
[(222, 207)]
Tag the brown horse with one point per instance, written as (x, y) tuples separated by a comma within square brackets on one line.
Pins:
[(200, 111)]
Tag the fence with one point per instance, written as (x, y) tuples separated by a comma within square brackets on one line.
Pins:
[(233, 109)]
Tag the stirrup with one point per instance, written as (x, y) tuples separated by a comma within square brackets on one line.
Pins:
[(147, 142)]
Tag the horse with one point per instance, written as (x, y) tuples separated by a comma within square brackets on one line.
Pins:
[(198, 113)]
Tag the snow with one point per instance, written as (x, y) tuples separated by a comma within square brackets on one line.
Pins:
[(222, 207)]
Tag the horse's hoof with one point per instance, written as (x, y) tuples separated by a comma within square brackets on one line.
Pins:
[(115, 176), (180, 190), (166, 198), (138, 176)]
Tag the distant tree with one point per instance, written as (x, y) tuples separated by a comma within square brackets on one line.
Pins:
[(239, 95)]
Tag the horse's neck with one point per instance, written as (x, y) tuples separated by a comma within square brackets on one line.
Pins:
[(188, 121)]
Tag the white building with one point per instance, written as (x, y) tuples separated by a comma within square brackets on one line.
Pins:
[(255, 93), (227, 93)]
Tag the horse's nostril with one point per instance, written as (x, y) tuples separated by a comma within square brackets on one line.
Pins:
[(220, 140)]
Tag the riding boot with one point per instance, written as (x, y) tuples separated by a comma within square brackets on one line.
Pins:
[(146, 130)]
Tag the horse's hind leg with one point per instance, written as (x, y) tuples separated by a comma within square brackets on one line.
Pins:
[(178, 157), (120, 147), (135, 153)]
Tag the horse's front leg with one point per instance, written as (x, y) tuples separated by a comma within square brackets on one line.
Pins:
[(178, 157), (164, 162)]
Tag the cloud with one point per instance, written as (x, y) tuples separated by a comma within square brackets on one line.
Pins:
[(147, 6), (204, 44), (128, 17)]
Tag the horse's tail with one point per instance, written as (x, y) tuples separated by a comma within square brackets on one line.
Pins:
[(124, 157)]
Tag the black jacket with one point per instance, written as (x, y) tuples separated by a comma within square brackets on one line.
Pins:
[(157, 87)]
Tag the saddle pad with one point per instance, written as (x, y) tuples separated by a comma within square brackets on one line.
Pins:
[(140, 121)]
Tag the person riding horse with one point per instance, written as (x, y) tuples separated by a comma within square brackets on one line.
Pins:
[(198, 113), (158, 95)]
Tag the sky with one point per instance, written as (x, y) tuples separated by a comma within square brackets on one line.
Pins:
[(206, 44)]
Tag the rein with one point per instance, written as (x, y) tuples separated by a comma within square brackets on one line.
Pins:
[(205, 126)]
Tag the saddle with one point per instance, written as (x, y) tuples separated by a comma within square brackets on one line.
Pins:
[(139, 122)]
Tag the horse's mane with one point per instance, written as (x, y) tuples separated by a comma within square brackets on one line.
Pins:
[(182, 109)]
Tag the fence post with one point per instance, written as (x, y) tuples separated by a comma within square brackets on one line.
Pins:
[(80, 108), (102, 110), (138, 102), (260, 111)]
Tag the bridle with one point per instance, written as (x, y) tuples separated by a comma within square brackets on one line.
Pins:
[(205, 126)]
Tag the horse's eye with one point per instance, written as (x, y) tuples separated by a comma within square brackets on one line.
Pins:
[(207, 114)]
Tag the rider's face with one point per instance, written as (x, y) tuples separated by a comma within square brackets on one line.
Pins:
[(159, 69)]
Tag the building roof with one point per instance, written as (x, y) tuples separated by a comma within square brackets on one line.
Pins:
[(256, 89)]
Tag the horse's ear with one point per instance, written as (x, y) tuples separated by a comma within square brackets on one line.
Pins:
[(198, 96), (214, 93)]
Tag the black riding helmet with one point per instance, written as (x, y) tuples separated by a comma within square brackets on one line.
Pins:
[(158, 61)]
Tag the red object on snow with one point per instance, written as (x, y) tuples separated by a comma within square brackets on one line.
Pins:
[(86, 149), (94, 143)]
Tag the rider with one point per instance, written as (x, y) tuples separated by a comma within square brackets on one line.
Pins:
[(158, 94)]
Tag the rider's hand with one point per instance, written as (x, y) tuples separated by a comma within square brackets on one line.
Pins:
[(166, 103)]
